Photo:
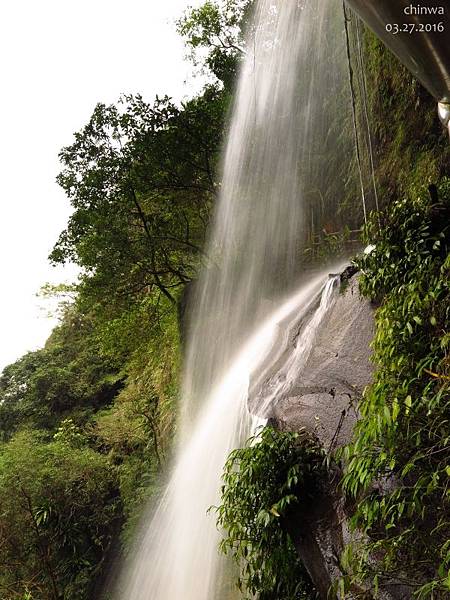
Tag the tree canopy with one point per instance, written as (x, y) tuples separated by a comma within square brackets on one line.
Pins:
[(214, 33), (141, 179), (87, 421)]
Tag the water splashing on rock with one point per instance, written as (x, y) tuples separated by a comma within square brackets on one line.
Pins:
[(282, 175)]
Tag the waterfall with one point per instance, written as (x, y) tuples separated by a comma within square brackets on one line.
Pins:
[(284, 169), (178, 556)]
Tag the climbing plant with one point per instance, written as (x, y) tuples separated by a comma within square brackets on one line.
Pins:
[(262, 483), (398, 466)]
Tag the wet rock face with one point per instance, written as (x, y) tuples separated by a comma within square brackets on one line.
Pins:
[(324, 401), (325, 396)]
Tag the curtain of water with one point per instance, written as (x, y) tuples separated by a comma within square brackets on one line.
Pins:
[(177, 557), (285, 169)]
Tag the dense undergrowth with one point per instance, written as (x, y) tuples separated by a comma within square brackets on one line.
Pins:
[(263, 482), (85, 424), (398, 466)]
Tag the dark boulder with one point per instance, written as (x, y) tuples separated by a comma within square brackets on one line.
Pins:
[(324, 402)]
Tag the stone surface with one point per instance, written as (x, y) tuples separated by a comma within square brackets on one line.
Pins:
[(324, 401), (324, 398)]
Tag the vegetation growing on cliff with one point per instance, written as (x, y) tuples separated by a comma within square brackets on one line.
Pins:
[(59, 504), (263, 482), (410, 145), (86, 423), (398, 465)]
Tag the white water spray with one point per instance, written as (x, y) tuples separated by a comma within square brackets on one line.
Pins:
[(178, 556), (277, 173)]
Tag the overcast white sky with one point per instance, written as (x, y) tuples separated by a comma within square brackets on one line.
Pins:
[(59, 58)]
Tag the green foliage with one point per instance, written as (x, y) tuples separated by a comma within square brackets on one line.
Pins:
[(86, 422), (141, 181), (411, 146), (59, 509), (73, 391), (263, 482), (398, 464), (70, 376), (218, 29), (326, 246), (136, 431), (69, 434)]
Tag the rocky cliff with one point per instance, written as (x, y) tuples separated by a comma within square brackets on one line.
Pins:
[(324, 402)]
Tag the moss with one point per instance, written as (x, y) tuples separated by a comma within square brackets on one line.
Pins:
[(411, 147)]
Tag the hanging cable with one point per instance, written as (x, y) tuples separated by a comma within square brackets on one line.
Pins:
[(366, 112), (355, 126)]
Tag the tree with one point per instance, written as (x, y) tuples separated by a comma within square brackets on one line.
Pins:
[(86, 422), (141, 179), (71, 375), (218, 28)]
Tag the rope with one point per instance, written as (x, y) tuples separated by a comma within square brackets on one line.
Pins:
[(366, 113), (355, 126)]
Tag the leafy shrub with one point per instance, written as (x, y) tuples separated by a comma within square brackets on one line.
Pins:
[(263, 481), (398, 463), (59, 512)]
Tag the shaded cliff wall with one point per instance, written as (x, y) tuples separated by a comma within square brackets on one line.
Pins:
[(410, 149), (324, 401), (410, 145)]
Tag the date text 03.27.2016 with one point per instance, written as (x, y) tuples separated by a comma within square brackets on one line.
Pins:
[(396, 28)]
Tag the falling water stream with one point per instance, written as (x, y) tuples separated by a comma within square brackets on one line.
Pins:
[(178, 555), (281, 158)]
